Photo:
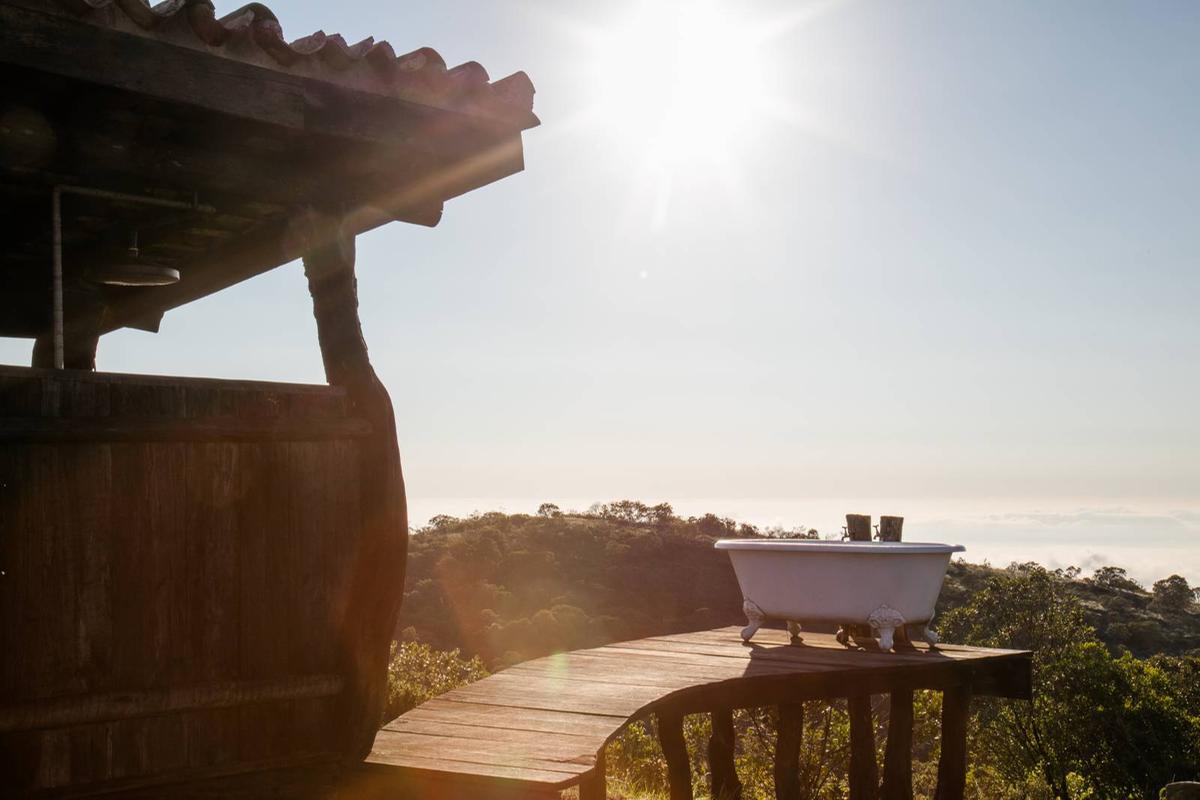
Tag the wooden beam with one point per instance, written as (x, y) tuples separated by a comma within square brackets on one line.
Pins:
[(789, 738), (864, 775), (91, 709), (174, 429), (897, 760), (674, 749), (725, 783), (272, 245), (378, 566), (952, 764)]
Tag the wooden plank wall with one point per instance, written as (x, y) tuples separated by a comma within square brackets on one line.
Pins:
[(196, 574)]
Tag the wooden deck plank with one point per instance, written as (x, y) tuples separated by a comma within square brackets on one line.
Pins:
[(796, 658), (517, 719), (611, 703), (827, 645), (449, 767), (666, 673), (549, 753), (459, 730), (769, 637), (397, 750)]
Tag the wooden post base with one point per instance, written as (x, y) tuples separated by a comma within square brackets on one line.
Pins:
[(952, 765), (789, 738), (595, 787), (679, 770), (864, 775), (897, 760), (725, 783)]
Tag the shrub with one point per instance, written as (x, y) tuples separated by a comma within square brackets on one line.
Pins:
[(417, 672)]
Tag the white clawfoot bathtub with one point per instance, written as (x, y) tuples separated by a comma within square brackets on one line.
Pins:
[(887, 585)]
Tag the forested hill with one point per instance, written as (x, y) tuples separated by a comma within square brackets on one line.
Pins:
[(513, 587)]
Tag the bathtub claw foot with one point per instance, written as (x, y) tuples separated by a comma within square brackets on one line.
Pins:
[(928, 635), (754, 616), (793, 629), (885, 620)]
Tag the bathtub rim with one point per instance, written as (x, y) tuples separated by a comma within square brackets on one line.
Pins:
[(843, 548)]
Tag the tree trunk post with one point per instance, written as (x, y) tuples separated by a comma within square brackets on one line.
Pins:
[(897, 759), (378, 565), (789, 738), (725, 783), (674, 748), (952, 765), (864, 775), (81, 330)]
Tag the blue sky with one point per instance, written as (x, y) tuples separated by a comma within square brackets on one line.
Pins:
[(922, 250)]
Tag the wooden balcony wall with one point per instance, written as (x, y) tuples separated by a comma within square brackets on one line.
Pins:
[(175, 558)]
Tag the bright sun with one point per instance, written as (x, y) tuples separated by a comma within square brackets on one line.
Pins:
[(685, 77)]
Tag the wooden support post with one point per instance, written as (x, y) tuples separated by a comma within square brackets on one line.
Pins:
[(595, 787), (864, 775), (897, 759), (725, 783), (378, 568), (674, 748), (789, 738), (81, 330), (952, 766)]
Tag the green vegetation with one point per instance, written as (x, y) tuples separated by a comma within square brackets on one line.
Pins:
[(417, 672), (1100, 726), (1117, 668)]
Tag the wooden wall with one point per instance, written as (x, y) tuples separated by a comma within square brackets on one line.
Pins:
[(174, 564)]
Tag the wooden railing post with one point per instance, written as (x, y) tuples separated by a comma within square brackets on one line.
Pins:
[(864, 775), (789, 738), (952, 765), (595, 787), (897, 759), (674, 748), (725, 783)]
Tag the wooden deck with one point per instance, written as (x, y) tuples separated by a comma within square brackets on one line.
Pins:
[(541, 726)]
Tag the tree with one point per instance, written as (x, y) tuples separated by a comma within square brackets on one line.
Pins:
[(662, 513), (1098, 727), (1115, 578), (712, 525), (443, 521), (549, 510), (1173, 593)]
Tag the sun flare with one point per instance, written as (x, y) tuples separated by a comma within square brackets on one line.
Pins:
[(684, 79)]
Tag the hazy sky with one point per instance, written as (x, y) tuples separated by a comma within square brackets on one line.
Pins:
[(768, 249)]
